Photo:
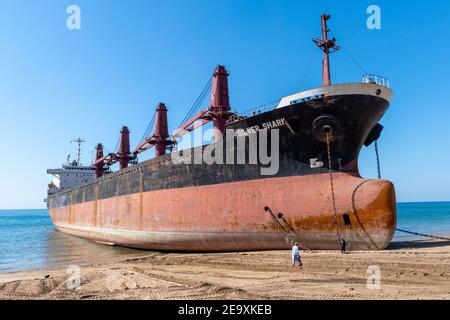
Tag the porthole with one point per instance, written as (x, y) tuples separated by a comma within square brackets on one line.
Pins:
[(378, 92)]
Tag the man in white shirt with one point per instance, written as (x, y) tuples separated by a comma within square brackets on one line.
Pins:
[(296, 255)]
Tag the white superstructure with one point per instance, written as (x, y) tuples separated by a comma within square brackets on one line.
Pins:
[(72, 174)]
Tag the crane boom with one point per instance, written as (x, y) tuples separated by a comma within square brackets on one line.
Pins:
[(218, 110)]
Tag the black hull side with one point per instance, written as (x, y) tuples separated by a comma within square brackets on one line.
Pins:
[(357, 114)]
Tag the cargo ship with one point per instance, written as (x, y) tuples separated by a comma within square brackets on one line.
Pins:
[(272, 177)]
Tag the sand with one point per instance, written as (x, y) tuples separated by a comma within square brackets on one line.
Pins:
[(409, 270)]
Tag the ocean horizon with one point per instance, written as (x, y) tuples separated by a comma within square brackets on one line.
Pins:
[(28, 239)]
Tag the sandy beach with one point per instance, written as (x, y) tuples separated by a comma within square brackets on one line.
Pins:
[(409, 270)]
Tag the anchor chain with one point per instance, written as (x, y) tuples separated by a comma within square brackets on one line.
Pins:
[(378, 159), (423, 235), (401, 230), (333, 200)]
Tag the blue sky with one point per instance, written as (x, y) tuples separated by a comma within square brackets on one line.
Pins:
[(56, 83)]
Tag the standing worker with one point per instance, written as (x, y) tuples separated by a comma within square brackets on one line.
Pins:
[(343, 244), (296, 255)]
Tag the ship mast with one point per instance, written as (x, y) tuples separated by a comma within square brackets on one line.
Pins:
[(78, 141), (327, 46)]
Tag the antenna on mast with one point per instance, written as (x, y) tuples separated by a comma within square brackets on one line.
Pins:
[(327, 46), (78, 141)]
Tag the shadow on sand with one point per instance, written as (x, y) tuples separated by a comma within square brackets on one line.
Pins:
[(417, 244)]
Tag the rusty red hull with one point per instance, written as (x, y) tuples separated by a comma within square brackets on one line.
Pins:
[(190, 219)]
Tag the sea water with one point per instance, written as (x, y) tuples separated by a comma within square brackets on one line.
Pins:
[(423, 217), (28, 239)]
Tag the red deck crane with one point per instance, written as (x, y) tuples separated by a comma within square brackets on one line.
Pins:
[(160, 136), (99, 164), (218, 110), (122, 155)]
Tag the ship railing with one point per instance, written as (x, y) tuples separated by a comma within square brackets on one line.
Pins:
[(375, 79), (260, 109)]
